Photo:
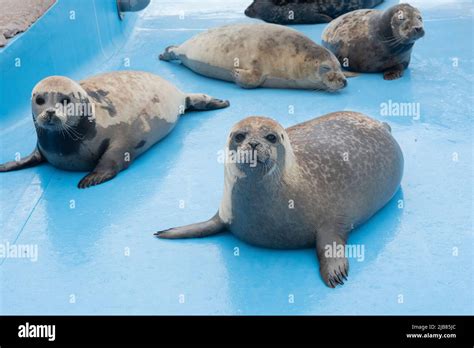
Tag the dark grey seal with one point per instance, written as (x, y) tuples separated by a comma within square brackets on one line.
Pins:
[(103, 123), (375, 41), (304, 11), (310, 185)]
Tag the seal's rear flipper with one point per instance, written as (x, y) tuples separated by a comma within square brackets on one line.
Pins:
[(29, 161), (200, 229), (248, 78), (196, 102), (169, 54)]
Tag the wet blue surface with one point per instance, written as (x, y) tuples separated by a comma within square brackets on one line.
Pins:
[(96, 252)]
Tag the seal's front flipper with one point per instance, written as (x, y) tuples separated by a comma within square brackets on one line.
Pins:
[(96, 178), (169, 54), (197, 102), (200, 229), (110, 164), (393, 73), (333, 264), (29, 161), (246, 78)]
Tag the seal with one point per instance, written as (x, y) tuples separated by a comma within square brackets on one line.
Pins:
[(103, 123), (375, 41), (304, 11), (310, 185), (260, 55)]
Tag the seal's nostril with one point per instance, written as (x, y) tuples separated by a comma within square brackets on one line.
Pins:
[(344, 83), (418, 29)]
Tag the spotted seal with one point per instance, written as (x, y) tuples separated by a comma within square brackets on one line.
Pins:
[(260, 55), (103, 123), (375, 41), (310, 185), (304, 11)]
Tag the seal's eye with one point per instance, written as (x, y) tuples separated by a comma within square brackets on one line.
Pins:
[(65, 100), (40, 100), (419, 18), (271, 138), (239, 137)]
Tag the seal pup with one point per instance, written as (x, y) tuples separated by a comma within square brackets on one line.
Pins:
[(103, 123), (260, 55), (375, 41), (311, 185), (304, 11)]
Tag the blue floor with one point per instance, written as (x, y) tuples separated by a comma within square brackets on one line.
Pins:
[(96, 250)]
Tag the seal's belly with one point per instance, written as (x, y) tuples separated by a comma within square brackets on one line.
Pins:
[(279, 221), (282, 234), (81, 161), (278, 82), (225, 73), (221, 71)]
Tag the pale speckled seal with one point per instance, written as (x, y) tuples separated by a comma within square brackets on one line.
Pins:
[(304, 11), (375, 41), (312, 184), (254, 55), (103, 123)]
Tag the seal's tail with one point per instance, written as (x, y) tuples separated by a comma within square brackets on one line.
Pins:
[(169, 55), (195, 102), (200, 229)]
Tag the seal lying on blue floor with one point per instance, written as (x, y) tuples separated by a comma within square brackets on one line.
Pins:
[(260, 55), (310, 185), (103, 123), (375, 41), (304, 11)]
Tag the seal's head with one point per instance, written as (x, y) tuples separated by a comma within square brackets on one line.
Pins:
[(260, 146), (59, 103), (406, 23)]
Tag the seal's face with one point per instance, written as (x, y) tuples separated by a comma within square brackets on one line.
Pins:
[(407, 24), (330, 73), (59, 103), (258, 144)]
